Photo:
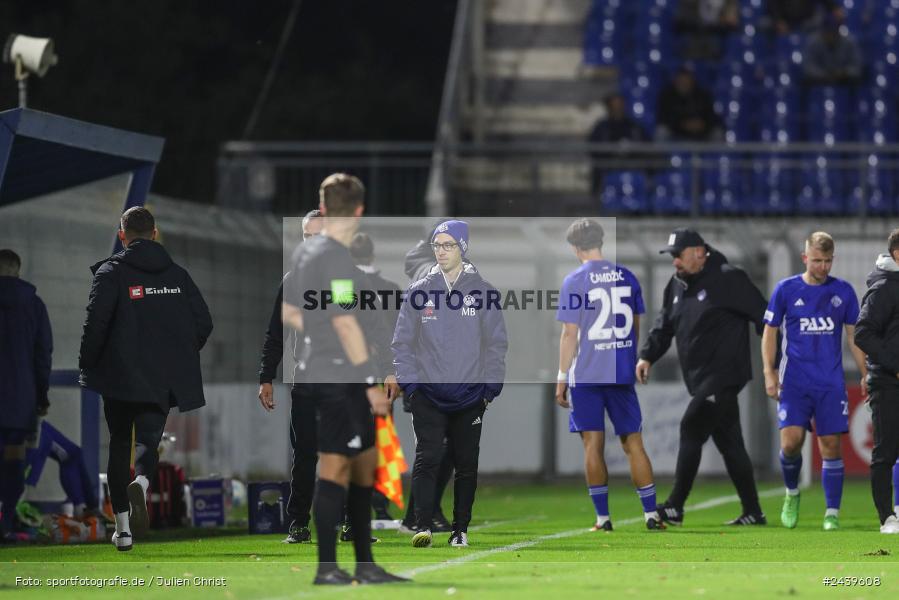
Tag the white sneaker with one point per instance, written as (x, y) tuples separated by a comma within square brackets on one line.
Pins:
[(459, 539), (122, 541), (137, 498), (891, 525)]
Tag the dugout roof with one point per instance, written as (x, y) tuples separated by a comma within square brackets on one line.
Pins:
[(41, 153)]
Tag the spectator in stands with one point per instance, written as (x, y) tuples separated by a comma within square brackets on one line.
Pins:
[(789, 16), (685, 111), (617, 127), (703, 25), (831, 58)]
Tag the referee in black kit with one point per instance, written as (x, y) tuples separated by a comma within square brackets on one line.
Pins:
[(321, 298), (302, 406)]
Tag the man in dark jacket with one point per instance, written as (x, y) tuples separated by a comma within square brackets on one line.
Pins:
[(706, 306), (140, 349), (26, 346), (303, 440), (877, 334), (449, 352)]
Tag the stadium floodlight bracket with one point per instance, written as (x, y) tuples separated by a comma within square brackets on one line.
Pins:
[(30, 56)]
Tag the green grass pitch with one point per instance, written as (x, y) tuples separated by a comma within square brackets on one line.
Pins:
[(526, 542)]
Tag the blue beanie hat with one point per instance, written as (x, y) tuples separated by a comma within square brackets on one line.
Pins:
[(458, 230)]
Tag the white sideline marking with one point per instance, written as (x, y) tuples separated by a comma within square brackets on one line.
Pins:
[(711, 503), (566, 534)]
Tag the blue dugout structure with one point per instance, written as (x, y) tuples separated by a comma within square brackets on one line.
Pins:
[(41, 153)]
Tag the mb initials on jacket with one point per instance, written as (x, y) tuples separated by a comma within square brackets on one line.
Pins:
[(138, 291)]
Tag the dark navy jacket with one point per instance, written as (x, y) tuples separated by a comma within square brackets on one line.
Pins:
[(454, 354), (26, 345)]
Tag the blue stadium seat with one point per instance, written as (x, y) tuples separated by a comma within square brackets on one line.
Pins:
[(827, 130), (734, 102), (642, 102), (751, 10), (749, 48), (641, 74), (878, 191), (671, 193), (624, 192), (653, 43), (724, 190), (822, 191), (788, 48), (884, 71), (773, 191)]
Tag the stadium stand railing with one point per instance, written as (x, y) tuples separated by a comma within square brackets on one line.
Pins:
[(698, 179)]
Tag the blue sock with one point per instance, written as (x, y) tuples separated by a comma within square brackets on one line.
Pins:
[(648, 497), (600, 496), (896, 484), (832, 481), (791, 467)]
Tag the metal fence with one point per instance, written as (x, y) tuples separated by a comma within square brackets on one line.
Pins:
[(563, 179)]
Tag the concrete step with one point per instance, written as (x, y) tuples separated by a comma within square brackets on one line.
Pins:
[(537, 11), (534, 35), (547, 91), (566, 120), (534, 63), (516, 174)]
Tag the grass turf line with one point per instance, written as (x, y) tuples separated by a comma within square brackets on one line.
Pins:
[(703, 558)]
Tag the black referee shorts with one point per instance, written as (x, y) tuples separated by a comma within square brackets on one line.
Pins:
[(345, 422)]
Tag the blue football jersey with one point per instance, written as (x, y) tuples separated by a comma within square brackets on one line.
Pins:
[(811, 318), (602, 298)]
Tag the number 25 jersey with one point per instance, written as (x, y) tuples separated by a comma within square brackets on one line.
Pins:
[(602, 299)]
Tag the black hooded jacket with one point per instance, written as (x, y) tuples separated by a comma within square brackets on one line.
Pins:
[(708, 313), (146, 323), (877, 328)]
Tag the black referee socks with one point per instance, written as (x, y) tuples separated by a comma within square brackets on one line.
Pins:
[(327, 509), (358, 506)]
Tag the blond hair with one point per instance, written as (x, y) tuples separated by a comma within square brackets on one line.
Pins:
[(820, 240)]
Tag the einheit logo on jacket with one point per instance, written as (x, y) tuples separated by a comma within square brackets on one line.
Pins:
[(138, 291)]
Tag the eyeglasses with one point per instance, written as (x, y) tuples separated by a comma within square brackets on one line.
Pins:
[(447, 246)]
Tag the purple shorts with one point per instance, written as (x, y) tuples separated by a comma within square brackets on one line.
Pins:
[(590, 403)]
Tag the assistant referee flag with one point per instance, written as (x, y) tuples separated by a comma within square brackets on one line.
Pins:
[(391, 462)]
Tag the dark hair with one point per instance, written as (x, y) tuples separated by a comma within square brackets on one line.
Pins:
[(893, 241), (362, 249), (138, 222), (10, 263), (585, 234), (341, 194)]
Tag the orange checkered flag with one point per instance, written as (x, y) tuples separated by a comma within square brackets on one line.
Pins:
[(391, 462)]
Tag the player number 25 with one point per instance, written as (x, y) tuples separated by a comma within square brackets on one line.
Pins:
[(610, 304)]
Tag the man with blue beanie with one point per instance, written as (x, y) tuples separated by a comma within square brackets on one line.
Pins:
[(449, 351)]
